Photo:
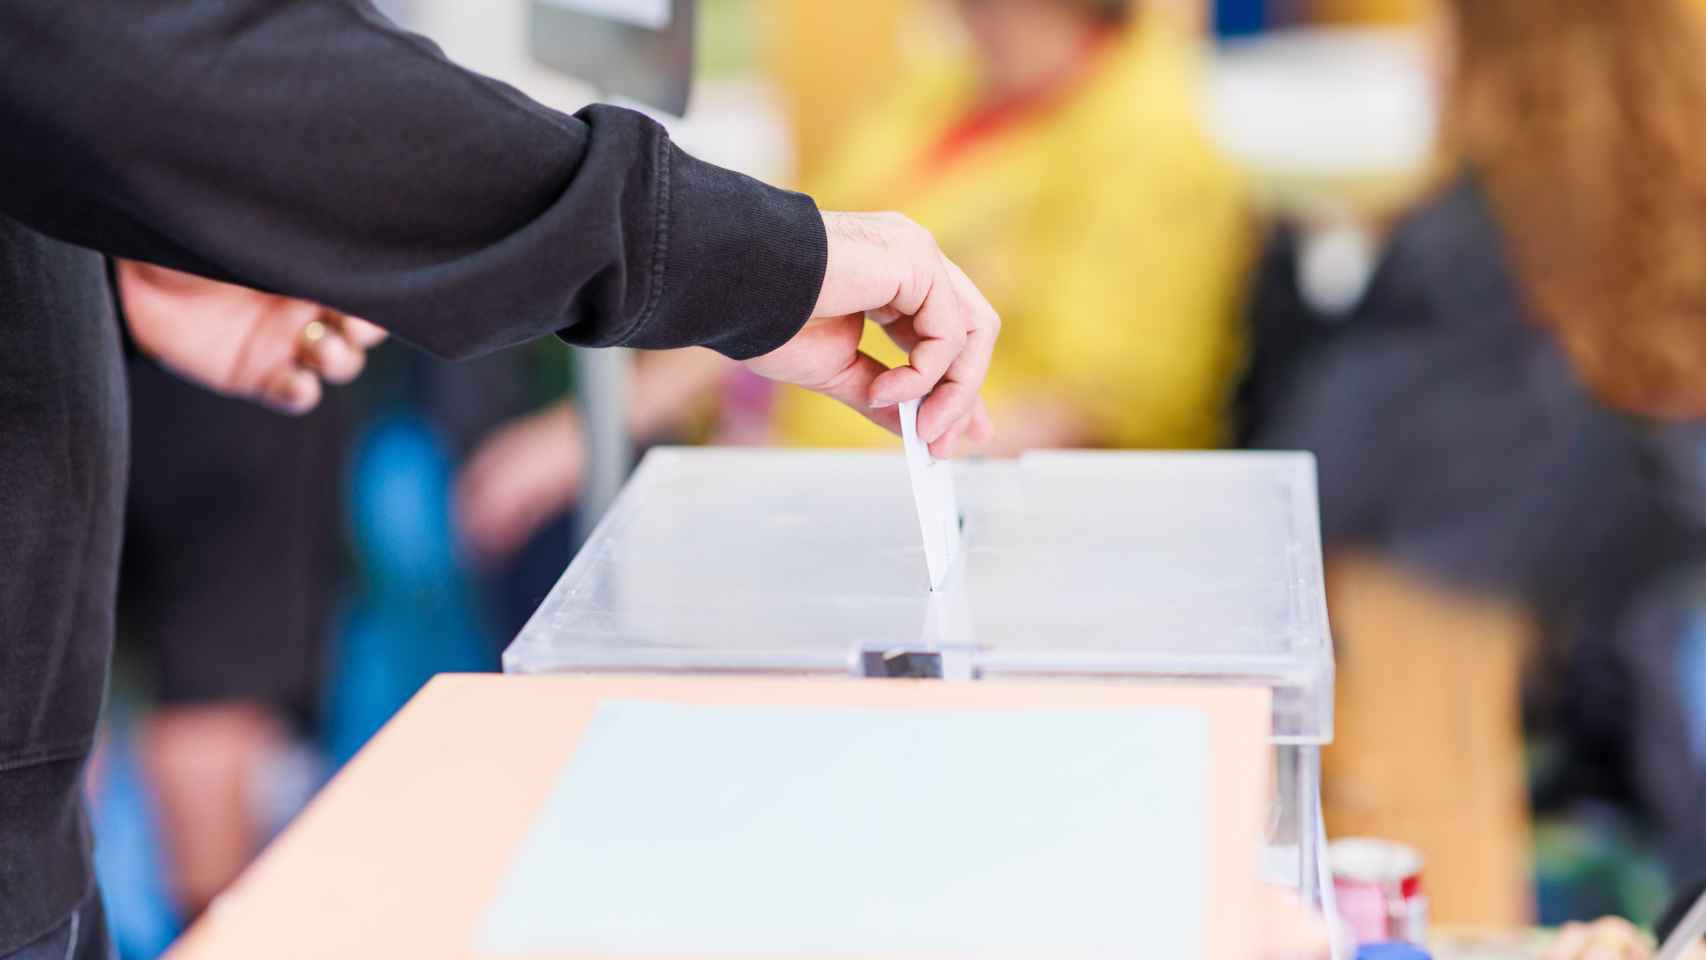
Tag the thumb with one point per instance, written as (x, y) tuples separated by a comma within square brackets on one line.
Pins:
[(852, 386)]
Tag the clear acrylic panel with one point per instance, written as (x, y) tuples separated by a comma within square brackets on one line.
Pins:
[(1076, 564)]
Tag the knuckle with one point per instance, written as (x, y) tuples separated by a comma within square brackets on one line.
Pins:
[(916, 234), (927, 241)]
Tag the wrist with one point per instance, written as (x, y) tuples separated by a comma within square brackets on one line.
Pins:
[(742, 263)]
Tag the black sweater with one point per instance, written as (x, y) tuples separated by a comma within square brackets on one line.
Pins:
[(310, 148)]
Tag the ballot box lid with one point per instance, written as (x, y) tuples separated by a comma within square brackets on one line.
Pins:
[(1074, 565)]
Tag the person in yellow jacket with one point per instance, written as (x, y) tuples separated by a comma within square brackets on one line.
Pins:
[(1063, 164)]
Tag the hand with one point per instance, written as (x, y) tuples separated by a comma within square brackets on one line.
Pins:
[(1608, 938), (1290, 930), (522, 475), (242, 342), (889, 268)]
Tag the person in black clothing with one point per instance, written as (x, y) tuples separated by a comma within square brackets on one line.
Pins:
[(1506, 478), (232, 554), (313, 150)]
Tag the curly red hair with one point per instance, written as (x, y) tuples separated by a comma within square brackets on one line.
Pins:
[(1586, 120)]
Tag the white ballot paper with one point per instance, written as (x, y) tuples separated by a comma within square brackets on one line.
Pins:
[(933, 492), (795, 832)]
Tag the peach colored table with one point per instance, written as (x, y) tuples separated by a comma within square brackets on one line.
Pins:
[(404, 851)]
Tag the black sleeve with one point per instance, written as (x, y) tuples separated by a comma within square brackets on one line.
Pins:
[(310, 148)]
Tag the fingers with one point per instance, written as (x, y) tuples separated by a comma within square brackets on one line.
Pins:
[(949, 444), (946, 411), (889, 269), (972, 365), (293, 385), (982, 428), (937, 337), (1611, 938), (955, 401), (951, 342), (291, 390), (242, 342), (326, 350), (494, 519), (518, 480), (975, 428), (853, 386), (331, 348), (361, 333), (1569, 944)]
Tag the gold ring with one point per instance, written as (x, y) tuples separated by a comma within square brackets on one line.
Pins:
[(314, 332)]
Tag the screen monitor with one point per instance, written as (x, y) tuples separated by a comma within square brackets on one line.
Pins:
[(641, 50)]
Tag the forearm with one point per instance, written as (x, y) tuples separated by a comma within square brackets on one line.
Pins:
[(311, 149), (671, 388)]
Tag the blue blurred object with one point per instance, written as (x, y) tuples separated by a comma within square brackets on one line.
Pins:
[(1392, 951), (1240, 18), (413, 615), (1691, 667), (128, 859)]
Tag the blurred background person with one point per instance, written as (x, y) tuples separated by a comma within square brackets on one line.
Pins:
[(523, 476), (1061, 158), (1581, 120), (1059, 155), (230, 563), (1482, 506), (226, 585)]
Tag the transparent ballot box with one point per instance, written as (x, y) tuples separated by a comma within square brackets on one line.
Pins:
[(1138, 567)]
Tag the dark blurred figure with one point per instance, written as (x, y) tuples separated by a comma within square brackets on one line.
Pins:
[(1457, 440), (230, 564)]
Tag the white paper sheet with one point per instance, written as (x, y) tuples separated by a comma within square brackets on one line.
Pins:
[(933, 492), (754, 831)]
